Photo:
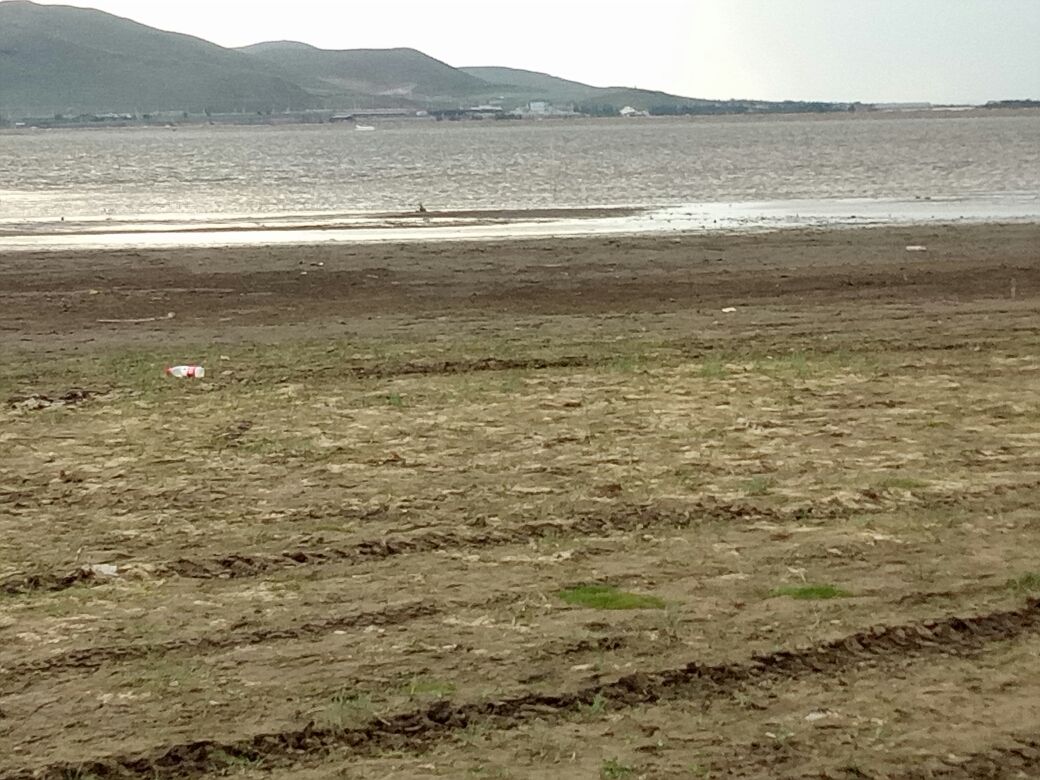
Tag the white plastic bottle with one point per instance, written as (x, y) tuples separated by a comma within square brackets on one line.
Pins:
[(186, 372)]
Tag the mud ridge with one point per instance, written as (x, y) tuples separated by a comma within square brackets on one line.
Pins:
[(623, 520), (417, 730), (240, 565), (35, 401), (441, 367), (94, 657), (1018, 757), (1021, 759), (469, 366), (620, 519)]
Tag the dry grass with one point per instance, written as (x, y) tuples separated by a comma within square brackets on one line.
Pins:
[(318, 531)]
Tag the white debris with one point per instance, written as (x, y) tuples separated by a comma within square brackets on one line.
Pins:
[(103, 569), (816, 715)]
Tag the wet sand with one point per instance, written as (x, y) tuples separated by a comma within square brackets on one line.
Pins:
[(314, 229), (59, 296)]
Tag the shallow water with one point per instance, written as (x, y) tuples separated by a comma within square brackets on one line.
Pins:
[(733, 217), (130, 186)]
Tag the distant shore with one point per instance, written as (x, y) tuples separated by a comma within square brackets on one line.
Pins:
[(324, 118)]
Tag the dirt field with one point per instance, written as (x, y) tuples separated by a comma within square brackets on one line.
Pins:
[(528, 510)]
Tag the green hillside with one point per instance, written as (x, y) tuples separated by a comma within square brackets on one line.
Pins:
[(533, 84), (72, 61), (402, 74), (522, 86), (60, 59)]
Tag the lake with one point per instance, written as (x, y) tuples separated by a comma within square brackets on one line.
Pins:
[(943, 166)]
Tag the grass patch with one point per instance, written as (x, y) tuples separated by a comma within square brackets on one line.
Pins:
[(595, 708), (900, 483), (612, 769), (795, 363), (489, 772), (714, 368), (608, 597), (624, 363), (1028, 582), (79, 773), (798, 364), (429, 686), (757, 486), (811, 592), (348, 709), (230, 762), (164, 675)]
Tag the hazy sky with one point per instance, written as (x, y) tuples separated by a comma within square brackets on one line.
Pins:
[(870, 50)]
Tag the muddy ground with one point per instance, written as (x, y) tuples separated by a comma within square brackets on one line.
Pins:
[(362, 546)]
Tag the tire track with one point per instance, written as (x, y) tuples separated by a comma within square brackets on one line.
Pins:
[(622, 519), (94, 657), (419, 729), (90, 658), (238, 565), (443, 367), (1020, 759)]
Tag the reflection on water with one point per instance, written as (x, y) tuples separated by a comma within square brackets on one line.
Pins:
[(311, 176), (739, 217)]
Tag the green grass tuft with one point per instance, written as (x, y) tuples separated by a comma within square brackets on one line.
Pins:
[(347, 709), (758, 486), (429, 686), (1030, 581), (608, 597), (612, 769), (714, 368), (810, 592), (231, 761), (595, 708)]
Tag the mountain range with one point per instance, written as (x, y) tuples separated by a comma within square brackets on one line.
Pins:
[(64, 60)]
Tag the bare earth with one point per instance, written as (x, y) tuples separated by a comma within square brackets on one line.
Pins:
[(346, 552)]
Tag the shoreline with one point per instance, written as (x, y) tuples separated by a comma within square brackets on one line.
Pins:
[(515, 224)]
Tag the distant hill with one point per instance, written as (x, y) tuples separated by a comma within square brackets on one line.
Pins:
[(395, 73), (60, 59), (539, 86), (523, 86)]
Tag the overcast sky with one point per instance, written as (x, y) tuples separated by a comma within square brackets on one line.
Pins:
[(869, 50)]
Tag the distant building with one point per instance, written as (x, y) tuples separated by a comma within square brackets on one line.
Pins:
[(628, 111), (485, 112), (537, 109), (373, 113)]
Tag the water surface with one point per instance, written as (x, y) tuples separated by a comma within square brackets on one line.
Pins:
[(136, 185)]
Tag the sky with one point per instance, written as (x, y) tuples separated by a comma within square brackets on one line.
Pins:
[(940, 51)]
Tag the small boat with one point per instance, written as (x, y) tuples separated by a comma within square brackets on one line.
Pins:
[(364, 128)]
